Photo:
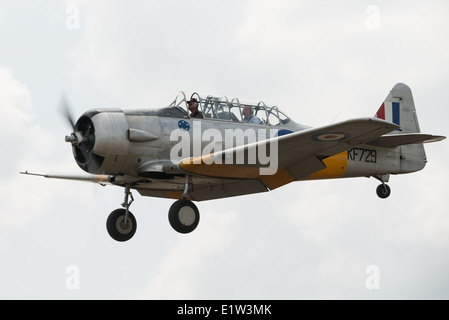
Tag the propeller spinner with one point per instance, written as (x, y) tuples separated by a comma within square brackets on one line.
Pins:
[(82, 138)]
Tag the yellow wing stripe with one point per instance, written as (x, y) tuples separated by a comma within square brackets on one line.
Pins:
[(230, 171), (336, 167)]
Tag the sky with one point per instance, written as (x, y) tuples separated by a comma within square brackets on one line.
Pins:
[(319, 61)]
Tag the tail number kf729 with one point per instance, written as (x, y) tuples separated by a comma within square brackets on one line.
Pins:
[(362, 155)]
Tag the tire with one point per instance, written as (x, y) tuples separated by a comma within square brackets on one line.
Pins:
[(184, 216), (383, 191), (116, 227)]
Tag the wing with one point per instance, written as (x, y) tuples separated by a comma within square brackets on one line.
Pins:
[(204, 188), (96, 178), (295, 156)]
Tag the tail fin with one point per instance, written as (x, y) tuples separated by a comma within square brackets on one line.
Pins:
[(399, 108)]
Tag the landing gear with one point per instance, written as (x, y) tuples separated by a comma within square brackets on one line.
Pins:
[(121, 223), (118, 229), (383, 191), (183, 215)]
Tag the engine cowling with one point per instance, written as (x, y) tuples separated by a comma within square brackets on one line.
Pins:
[(100, 141)]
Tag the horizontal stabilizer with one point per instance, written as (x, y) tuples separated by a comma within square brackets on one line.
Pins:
[(395, 140)]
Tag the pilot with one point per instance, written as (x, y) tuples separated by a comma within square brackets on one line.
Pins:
[(193, 107), (249, 116)]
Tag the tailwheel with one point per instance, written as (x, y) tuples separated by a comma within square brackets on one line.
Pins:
[(121, 225), (383, 191), (184, 216)]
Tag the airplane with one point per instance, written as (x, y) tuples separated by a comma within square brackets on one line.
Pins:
[(169, 154)]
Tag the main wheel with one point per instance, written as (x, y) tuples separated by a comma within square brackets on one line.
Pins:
[(118, 229), (383, 191), (184, 216)]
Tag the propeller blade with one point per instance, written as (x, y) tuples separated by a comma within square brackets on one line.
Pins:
[(65, 109)]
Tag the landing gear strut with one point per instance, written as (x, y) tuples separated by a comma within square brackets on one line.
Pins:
[(121, 223)]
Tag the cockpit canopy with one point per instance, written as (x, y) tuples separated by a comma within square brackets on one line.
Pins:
[(220, 108)]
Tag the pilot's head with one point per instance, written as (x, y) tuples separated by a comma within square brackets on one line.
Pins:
[(247, 111), (193, 105)]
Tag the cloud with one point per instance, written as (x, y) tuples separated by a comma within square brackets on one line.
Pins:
[(26, 146), (302, 55), (182, 268), (136, 51), (20, 140), (349, 228), (287, 53), (16, 103)]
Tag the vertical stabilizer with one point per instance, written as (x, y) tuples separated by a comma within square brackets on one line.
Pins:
[(399, 108)]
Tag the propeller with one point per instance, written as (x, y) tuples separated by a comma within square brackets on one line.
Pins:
[(65, 109), (82, 138), (76, 137)]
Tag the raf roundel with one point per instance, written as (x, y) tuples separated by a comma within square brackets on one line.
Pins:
[(330, 136), (184, 125)]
